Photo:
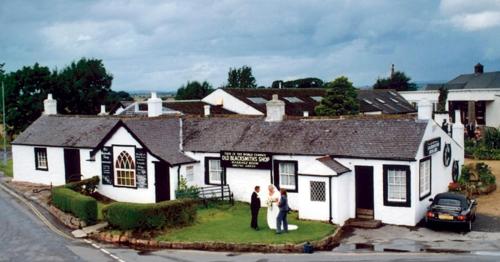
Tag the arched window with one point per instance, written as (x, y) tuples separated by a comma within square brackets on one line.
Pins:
[(125, 170)]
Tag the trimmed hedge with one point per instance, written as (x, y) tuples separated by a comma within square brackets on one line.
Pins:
[(83, 207), (171, 213)]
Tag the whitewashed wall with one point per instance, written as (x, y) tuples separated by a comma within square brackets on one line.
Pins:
[(24, 166), (441, 175), (343, 192), (231, 103), (315, 210), (123, 140), (493, 112)]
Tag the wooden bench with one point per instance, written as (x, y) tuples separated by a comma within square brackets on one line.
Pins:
[(222, 192)]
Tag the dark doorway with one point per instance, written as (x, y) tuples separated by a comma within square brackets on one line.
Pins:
[(72, 165), (162, 181), (364, 192)]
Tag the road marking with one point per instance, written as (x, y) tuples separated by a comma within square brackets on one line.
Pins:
[(52, 227)]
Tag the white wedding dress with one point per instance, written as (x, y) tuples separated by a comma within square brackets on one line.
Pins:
[(273, 211)]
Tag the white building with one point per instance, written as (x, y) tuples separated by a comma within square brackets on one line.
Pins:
[(476, 95), (384, 169)]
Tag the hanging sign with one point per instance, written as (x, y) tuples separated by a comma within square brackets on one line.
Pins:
[(253, 160), (141, 168), (454, 171), (107, 165), (447, 154), (432, 146)]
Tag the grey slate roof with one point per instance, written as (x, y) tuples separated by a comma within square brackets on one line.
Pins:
[(471, 81), (358, 138), (333, 165), (66, 131), (161, 136)]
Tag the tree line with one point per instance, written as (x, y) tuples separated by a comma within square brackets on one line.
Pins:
[(80, 88)]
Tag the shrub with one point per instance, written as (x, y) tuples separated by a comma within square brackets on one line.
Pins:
[(185, 191), (172, 213), (485, 175), (83, 207), (86, 186)]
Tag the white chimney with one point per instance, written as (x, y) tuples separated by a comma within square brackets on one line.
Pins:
[(306, 113), (49, 106), (154, 105), (275, 110), (458, 129), (206, 110), (424, 110), (103, 111)]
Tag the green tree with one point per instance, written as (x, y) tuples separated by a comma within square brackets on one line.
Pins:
[(241, 78), (340, 99), (398, 81), (84, 85), (309, 82), (25, 90), (194, 90)]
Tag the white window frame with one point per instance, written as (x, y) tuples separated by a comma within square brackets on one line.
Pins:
[(425, 176), (287, 175), (396, 185), (131, 173), (214, 170), (41, 159)]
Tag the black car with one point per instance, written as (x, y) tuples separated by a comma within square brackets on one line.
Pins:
[(451, 208)]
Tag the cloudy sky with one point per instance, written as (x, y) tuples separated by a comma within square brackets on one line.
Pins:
[(159, 45)]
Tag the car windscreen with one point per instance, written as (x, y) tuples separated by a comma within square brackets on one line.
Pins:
[(449, 202)]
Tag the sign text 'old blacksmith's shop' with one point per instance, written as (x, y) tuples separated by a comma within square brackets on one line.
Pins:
[(253, 160)]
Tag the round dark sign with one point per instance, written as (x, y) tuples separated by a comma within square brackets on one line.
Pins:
[(447, 155), (454, 171)]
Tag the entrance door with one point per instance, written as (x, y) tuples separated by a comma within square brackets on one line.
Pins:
[(364, 192), (72, 165), (162, 181)]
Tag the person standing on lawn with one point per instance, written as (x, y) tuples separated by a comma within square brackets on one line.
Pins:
[(255, 207), (282, 215)]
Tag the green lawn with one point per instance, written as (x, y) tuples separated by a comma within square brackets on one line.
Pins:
[(232, 224), (6, 169)]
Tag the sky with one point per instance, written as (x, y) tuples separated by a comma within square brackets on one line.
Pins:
[(160, 45)]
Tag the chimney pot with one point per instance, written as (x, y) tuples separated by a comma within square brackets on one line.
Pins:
[(103, 111), (154, 105), (478, 68), (275, 110), (424, 110), (49, 106)]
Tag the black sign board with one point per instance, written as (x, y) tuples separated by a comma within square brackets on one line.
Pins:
[(107, 165), (141, 168), (251, 160), (432, 146)]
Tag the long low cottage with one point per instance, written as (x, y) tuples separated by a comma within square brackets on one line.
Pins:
[(334, 169)]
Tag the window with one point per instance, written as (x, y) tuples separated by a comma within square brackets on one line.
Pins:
[(318, 191), (41, 162), (213, 171), (395, 101), (125, 170), (380, 100), (425, 178), (397, 185), (293, 99), (257, 100), (392, 93), (317, 98), (189, 173), (288, 175), (367, 101)]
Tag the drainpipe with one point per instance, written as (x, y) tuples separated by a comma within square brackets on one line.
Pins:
[(330, 198), (178, 176)]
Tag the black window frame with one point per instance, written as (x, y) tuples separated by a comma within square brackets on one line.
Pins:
[(42, 150), (277, 174), (207, 172), (429, 158), (406, 168)]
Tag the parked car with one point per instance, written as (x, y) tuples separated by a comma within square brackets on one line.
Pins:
[(451, 208)]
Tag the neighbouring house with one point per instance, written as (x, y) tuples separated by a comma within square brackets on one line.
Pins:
[(476, 95), (302, 101), (371, 167)]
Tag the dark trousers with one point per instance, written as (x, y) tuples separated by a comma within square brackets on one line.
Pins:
[(255, 215), (282, 219)]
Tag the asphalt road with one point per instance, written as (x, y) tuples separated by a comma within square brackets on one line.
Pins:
[(24, 238)]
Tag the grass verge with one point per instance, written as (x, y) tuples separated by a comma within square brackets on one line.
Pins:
[(231, 224), (6, 169)]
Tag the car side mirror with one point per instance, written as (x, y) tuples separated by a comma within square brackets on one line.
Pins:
[(431, 199)]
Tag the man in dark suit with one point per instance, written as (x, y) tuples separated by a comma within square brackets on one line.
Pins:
[(255, 207)]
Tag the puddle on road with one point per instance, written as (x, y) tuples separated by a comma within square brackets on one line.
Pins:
[(397, 246)]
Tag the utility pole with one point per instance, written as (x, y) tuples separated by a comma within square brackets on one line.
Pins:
[(4, 127)]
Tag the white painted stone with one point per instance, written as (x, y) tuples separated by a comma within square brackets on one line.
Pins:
[(154, 105)]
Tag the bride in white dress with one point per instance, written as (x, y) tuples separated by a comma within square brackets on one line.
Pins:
[(273, 209)]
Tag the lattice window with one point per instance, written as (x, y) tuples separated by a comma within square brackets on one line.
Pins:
[(318, 191), (125, 170)]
